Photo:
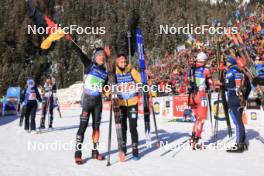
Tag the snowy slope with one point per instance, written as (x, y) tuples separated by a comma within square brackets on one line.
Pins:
[(17, 159), (71, 94)]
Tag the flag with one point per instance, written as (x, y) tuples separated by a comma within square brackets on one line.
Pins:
[(55, 33), (58, 34), (41, 20)]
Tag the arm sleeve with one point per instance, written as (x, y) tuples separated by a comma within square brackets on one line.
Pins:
[(136, 75), (85, 60), (54, 88), (208, 76), (38, 95)]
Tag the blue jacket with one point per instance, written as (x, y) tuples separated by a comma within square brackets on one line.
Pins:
[(234, 78), (30, 94)]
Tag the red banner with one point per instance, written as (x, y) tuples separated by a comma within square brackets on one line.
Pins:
[(179, 104)]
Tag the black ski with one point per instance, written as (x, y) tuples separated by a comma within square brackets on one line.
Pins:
[(221, 93), (114, 107)]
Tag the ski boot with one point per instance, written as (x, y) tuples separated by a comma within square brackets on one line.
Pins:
[(192, 136), (50, 122), (96, 155), (50, 126), (194, 142), (237, 148), (78, 152), (78, 158), (124, 149), (245, 145), (135, 155), (42, 123), (122, 156)]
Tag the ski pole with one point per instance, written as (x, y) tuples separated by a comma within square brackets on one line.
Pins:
[(58, 107), (110, 134), (155, 126), (210, 110), (129, 46)]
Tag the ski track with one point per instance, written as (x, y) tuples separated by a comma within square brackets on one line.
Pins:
[(18, 160)]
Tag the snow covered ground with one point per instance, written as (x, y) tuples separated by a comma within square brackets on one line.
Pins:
[(71, 94), (18, 157)]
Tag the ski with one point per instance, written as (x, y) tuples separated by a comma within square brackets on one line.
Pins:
[(156, 128), (209, 97), (244, 61), (221, 93), (144, 82), (145, 94), (46, 130), (114, 108)]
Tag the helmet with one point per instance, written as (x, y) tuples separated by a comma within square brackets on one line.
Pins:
[(201, 57)]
